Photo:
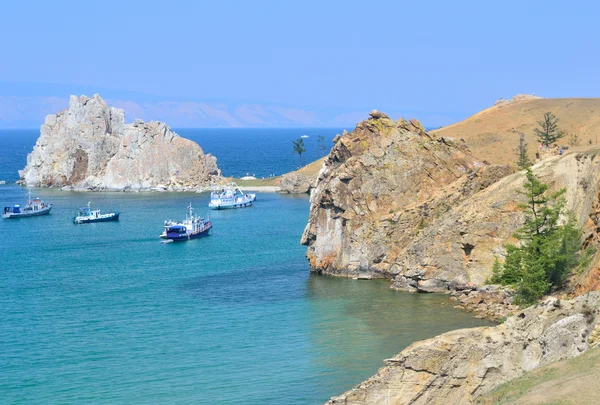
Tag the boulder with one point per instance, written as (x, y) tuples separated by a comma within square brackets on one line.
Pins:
[(295, 183)]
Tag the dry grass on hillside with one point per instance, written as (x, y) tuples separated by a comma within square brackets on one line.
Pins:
[(573, 381), (493, 133), (311, 169)]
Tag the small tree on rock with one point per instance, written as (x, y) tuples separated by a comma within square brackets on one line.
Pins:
[(548, 131), (299, 148), (522, 157), (321, 142), (574, 140), (548, 250)]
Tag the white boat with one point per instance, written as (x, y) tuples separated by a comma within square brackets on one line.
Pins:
[(230, 196), (191, 228), (33, 208), (86, 215), (304, 136)]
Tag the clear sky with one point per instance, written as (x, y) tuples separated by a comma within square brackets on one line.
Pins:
[(333, 60)]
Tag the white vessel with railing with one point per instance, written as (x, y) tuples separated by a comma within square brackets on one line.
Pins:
[(230, 196)]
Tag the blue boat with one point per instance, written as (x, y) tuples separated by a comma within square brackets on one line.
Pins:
[(33, 208), (191, 228), (86, 215)]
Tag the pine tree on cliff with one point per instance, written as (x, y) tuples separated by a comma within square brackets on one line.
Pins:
[(321, 142), (547, 250), (548, 131), (522, 157), (299, 148)]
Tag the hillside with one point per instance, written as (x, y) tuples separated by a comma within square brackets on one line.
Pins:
[(572, 381), (493, 133)]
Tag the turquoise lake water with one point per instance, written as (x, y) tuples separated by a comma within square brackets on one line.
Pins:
[(105, 314)]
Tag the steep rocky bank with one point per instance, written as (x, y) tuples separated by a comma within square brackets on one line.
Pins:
[(395, 202), (89, 147), (459, 366), (370, 193)]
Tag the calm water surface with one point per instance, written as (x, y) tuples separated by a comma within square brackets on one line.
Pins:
[(105, 314)]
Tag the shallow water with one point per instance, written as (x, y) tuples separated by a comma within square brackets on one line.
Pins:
[(105, 314)]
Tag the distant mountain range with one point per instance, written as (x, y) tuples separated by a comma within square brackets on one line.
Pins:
[(25, 105)]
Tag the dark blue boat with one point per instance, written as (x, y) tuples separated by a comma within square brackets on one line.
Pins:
[(191, 228)]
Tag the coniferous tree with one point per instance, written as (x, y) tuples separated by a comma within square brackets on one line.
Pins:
[(299, 148), (548, 250), (522, 157), (548, 131), (321, 142)]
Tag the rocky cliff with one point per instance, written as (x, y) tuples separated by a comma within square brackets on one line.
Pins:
[(372, 190), (89, 146), (393, 201), (456, 367)]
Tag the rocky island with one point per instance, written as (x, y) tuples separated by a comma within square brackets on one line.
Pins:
[(89, 147)]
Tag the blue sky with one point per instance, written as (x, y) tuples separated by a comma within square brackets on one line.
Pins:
[(293, 63)]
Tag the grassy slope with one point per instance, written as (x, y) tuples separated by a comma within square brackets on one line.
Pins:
[(492, 134), (574, 381), (311, 169)]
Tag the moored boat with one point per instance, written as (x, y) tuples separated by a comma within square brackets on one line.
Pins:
[(33, 208), (191, 228), (86, 215), (230, 196)]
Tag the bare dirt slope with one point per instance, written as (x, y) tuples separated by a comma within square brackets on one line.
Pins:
[(573, 381), (493, 133)]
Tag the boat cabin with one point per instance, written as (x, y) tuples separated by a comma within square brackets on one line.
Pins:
[(175, 230), (12, 210)]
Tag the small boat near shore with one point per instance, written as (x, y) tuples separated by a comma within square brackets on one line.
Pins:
[(33, 208), (86, 216), (230, 196), (191, 228)]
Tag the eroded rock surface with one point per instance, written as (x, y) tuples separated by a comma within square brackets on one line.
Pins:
[(456, 367), (373, 193), (89, 146), (395, 202), (295, 183)]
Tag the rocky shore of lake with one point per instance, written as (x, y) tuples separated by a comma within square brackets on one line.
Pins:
[(459, 366)]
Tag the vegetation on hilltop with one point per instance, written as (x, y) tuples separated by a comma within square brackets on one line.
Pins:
[(492, 134)]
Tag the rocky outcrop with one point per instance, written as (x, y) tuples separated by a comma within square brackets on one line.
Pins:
[(393, 201), (459, 247), (376, 192), (490, 301), (456, 367), (294, 183), (89, 146)]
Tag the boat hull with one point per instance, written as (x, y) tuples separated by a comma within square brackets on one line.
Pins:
[(219, 205), (180, 238), (26, 214), (231, 206), (108, 218)]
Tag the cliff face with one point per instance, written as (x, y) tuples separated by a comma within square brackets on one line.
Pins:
[(371, 191), (395, 202), (89, 146), (456, 367)]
